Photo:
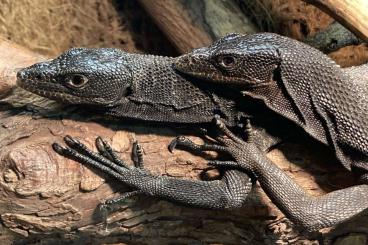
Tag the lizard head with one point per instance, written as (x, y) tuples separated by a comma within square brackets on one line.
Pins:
[(79, 76), (234, 59)]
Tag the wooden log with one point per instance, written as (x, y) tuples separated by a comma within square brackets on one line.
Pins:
[(45, 196), (353, 14), (13, 58), (196, 23)]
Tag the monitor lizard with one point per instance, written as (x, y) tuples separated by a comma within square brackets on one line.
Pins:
[(308, 88), (122, 85)]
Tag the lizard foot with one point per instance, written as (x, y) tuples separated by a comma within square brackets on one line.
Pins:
[(245, 152), (79, 152), (224, 131), (105, 150), (229, 192), (108, 161)]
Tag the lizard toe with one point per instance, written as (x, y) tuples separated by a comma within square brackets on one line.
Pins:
[(228, 164), (59, 149), (137, 155)]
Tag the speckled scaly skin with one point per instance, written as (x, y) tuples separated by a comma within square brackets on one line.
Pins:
[(124, 85), (304, 85), (143, 87)]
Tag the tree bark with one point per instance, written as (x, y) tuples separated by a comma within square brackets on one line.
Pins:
[(45, 196), (196, 23)]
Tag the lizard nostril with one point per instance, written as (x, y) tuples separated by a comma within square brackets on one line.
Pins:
[(39, 76), (21, 74)]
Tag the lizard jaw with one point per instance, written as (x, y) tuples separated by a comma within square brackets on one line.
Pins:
[(198, 66), (55, 92)]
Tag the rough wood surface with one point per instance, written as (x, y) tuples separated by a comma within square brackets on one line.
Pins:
[(195, 23), (353, 14), (12, 58), (45, 196)]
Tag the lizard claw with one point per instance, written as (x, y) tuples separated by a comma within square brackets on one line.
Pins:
[(105, 150), (224, 130), (180, 140), (58, 148), (172, 145), (137, 155), (108, 206), (249, 131), (70, 141), (218, 122), (190, 145), (100, 144)]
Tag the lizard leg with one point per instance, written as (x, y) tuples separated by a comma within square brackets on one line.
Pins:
[(311, 213), (229, 192)]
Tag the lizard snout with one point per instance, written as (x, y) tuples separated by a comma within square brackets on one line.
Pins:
[(185, 63), (30, 74), (22, 74)]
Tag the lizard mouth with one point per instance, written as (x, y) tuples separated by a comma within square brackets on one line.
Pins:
[(57, 92), (215, 77), (49, 90), (190, 65)]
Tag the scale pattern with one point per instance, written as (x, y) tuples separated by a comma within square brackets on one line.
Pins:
[(296, 81), (307, 87), (142, 87)]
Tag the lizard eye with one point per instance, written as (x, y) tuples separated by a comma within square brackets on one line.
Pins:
[(77, 81), (227, 61)]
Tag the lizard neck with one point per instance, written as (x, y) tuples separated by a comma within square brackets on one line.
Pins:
[(158, 93)]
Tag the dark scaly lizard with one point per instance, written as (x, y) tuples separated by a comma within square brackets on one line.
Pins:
[(142, 87), (305, 86)]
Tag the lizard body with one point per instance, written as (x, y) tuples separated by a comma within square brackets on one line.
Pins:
[(124, 85), (305, 86), (142, 87), (123, 69), (294, 80)]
